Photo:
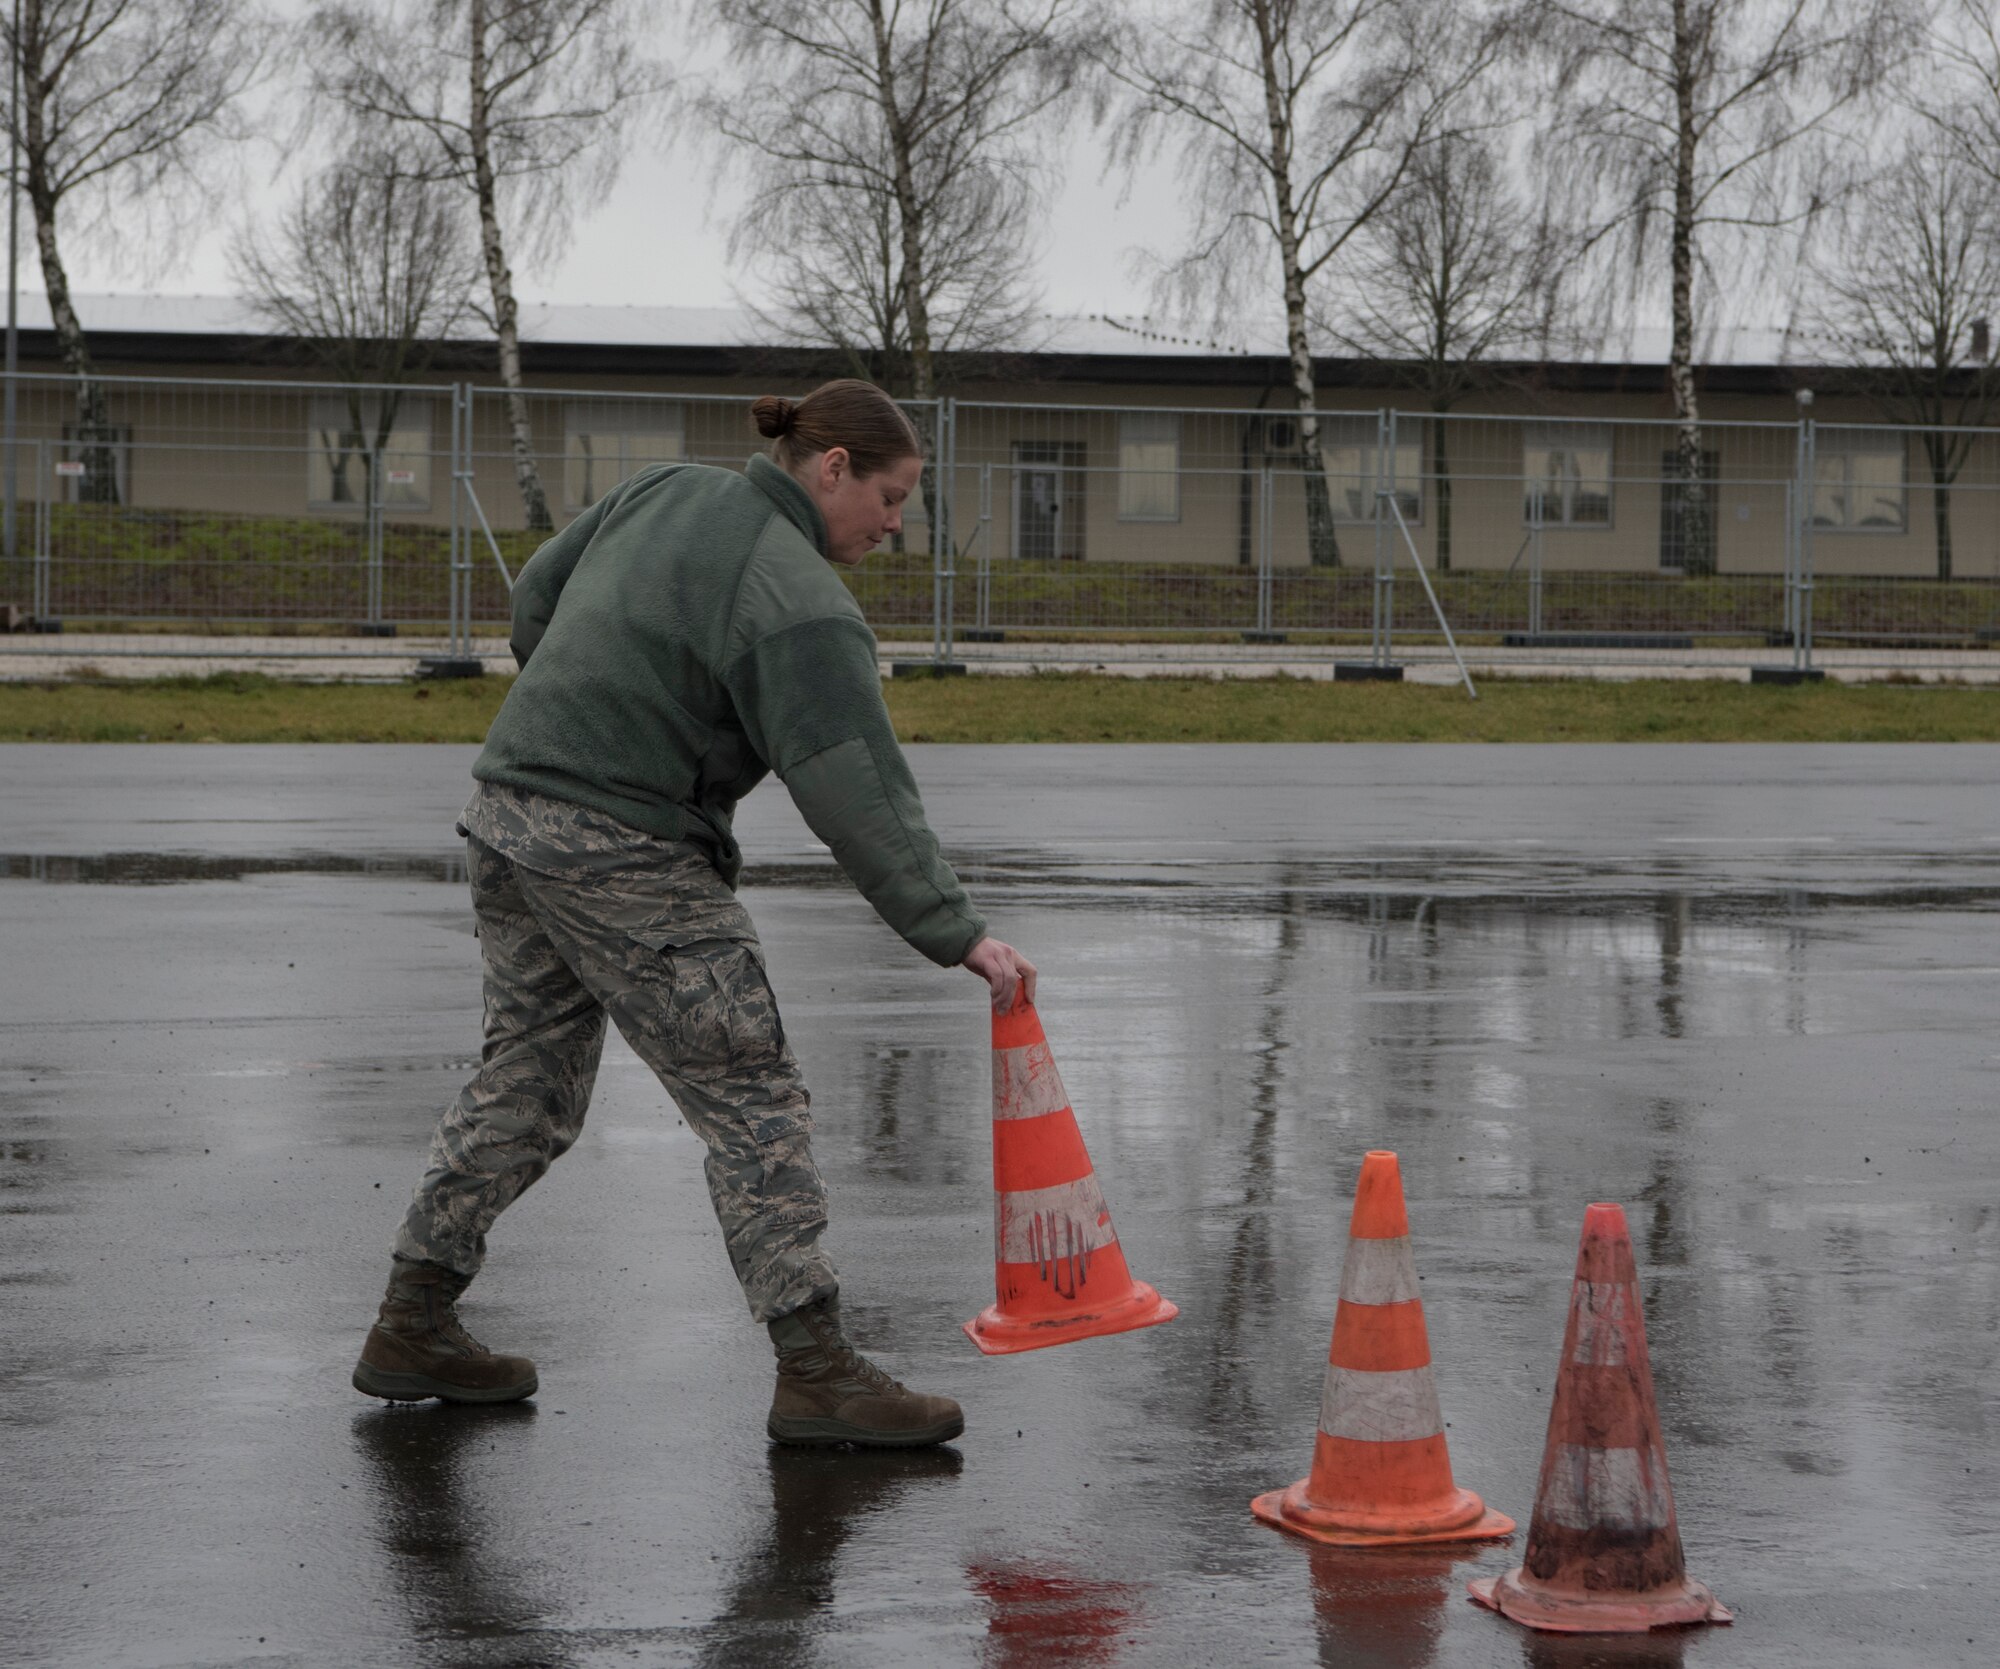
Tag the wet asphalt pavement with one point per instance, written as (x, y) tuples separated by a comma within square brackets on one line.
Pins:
[(1752, 993)]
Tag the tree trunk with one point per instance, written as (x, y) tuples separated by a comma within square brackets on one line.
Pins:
[(94, 436), (1441, 478), (506, 313), (1697, 537), (1322, 542), (910, 230), (909, 211)]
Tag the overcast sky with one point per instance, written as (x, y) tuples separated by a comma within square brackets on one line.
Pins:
[(660, 237)]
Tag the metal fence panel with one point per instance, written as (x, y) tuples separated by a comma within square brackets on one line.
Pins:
[(239, 504), (227, 502)]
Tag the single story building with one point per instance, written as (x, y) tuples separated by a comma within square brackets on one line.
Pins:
[(1099, 440)]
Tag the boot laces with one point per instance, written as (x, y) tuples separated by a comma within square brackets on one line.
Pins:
[(445, 1322), (852, 1364)]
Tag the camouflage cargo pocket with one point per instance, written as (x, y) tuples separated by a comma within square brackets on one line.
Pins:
[(725, 1017)]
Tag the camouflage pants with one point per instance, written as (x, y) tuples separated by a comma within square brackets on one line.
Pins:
[(667, 952)]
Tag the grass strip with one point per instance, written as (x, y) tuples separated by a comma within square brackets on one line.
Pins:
[(1061, 707)]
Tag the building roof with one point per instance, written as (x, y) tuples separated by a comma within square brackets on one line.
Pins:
[(711, 341)]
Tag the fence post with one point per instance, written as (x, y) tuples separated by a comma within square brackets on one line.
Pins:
[(1382, 649), (459, 531), (1266, 549), (1791, 613), (944, 524), (1803, 586), (10, 538), (1535, 559), (983, 537), (373, 583), (44, 600)]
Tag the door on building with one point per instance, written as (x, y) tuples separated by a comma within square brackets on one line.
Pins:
[(1048, 500)]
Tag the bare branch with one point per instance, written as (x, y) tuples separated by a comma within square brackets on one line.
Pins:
[(895, 165)]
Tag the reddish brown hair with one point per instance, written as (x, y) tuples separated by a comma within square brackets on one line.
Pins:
[(849, 413)]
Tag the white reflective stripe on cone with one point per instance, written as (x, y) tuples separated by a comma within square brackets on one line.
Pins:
[(1380, 1407), (1040, 1224), (1379, 1272), (1026, 1083), (1606, 1314), (1621, 1489)]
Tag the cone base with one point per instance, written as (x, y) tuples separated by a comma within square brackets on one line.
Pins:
[(997, 1333), (1522, 1599), (1465, 1518)]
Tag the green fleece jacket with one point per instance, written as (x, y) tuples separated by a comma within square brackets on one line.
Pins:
[(684, 636)]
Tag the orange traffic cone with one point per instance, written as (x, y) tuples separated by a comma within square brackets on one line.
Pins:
[(1058, 1269), (1381, 1476), (1604, 1547)]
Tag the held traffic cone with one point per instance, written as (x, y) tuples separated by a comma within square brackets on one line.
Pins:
[(1381, 1476), (1604, 1547), (1058, 1270)]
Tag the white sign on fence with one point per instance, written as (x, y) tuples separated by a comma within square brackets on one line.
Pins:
[(68, 466), (402, 478)]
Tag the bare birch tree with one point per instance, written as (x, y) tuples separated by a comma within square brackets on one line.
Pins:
[(1458, 271), (1906, 307), (522, 103), (1700, 124), (896, 166), (121, 102), (1953, 85), (368, 273), (1297, 121)]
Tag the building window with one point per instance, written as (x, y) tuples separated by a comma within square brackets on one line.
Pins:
[(1566, 475), (607, 441), (1149, 466), (1350, 447), (1859, 480), (346, 430)]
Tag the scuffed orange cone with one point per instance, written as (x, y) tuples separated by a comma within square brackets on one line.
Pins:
[(1059, 1273), (1381, 1476), (1604, 1547)]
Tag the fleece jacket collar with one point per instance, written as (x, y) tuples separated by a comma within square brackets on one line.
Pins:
[(790, 497)]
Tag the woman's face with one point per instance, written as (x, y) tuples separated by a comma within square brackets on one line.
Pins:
[(861, 510)]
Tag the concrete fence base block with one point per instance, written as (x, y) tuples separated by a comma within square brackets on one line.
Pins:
[(981, 634), (452, 666), (1267, 637), (1596, 640), (1366, 672), (1786, 675), (372, 628), (927, 669)]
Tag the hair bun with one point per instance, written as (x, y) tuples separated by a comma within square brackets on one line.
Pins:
[(774, 415)]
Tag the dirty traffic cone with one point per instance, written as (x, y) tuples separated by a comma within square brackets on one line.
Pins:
[(1058, 1269), (1604, 1547), (1381, 1476)]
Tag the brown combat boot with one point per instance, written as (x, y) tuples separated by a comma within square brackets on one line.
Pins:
[(418, 1349), (829, 1393)]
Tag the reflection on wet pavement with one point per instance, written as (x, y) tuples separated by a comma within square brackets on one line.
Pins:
[(424, 1461), (1383, 1606), (1037, 1614), (222, 1051), (786, 1583)]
